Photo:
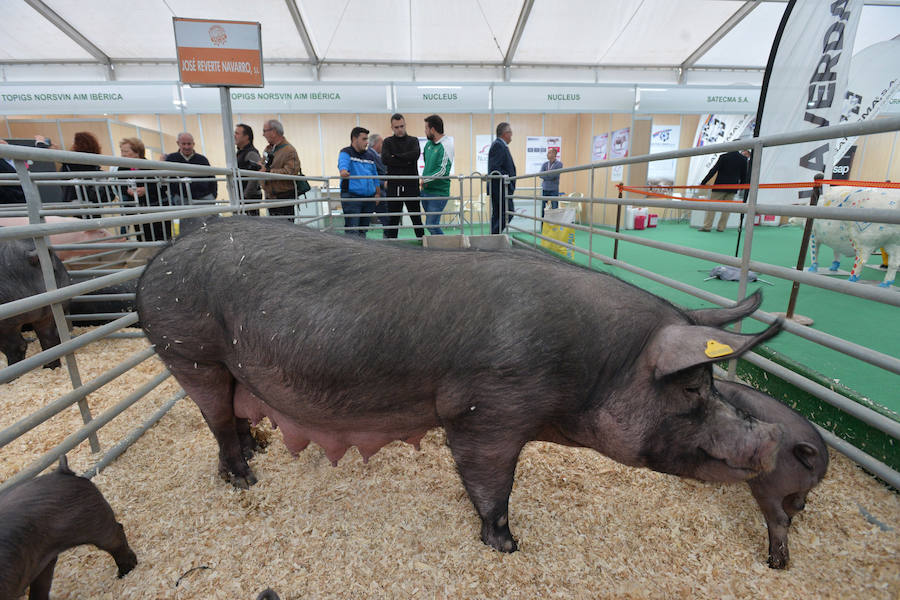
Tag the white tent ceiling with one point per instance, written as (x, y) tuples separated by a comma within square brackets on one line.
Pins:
[(634, 41)]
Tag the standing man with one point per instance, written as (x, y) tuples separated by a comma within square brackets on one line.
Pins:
[(248, 158), (550, 183), (375, 144), (438, 160), (199, 190), (500, 161), (10, 194), (732, 167), (355, 160), (280, 157), (400, 154)]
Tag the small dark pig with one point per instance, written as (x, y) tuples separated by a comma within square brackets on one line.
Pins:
[(47, 515), (348, 343), (20, 277), (93, 307), (268, 594), (800, 466)]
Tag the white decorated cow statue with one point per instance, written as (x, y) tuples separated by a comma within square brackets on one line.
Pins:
[(858, 238)]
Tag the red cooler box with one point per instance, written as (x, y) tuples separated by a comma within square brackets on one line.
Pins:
[(640, 221)]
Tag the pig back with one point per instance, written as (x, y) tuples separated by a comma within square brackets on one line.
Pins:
[(314, 304)]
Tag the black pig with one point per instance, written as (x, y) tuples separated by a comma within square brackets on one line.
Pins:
[(801, 464), (47, 515), (20, 277), (348, 343)]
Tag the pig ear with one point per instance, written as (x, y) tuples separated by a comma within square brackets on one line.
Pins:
[(679, 347), (719, 317), (805, 453)]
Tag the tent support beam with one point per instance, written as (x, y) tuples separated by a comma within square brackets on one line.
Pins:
[(304, 35), (516, 37), (714, 39), (75, 35)]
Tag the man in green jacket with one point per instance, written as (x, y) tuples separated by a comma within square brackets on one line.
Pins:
[(438, 160)]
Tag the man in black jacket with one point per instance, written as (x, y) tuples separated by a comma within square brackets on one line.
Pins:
[(10, 194), (732, 167), (200, 190), (248, 158), (400, 154), (500, 161)]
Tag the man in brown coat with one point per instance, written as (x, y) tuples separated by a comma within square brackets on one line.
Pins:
[(280, 157)]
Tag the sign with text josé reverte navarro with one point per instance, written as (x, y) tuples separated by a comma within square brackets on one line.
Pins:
[(219, 53)]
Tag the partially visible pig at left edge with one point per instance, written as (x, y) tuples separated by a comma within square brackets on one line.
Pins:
[(47, 515), (801, 464), (21, 277), (93, 236)]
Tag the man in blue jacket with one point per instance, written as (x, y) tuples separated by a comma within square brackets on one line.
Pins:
[(356, 160), (500, 161)]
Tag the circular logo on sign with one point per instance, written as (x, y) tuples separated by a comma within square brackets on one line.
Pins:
[(217, 35)]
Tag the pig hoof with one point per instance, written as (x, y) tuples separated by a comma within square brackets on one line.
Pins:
[(499, 538), (241, 478), (52, 365), (126, 566), (777, 561)]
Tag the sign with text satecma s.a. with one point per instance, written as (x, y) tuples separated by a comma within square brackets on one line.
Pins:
[(219, 53)]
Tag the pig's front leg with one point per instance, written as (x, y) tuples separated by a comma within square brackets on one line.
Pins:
[(777, 522), (40, 587), (487, 465)]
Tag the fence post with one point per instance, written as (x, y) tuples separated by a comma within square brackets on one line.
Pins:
[(804, 244), (33, 202)]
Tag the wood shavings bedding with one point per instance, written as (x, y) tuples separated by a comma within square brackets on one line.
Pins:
[(402, 525)]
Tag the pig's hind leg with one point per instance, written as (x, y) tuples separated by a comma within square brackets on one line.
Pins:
[(211, 387), (39, 589)]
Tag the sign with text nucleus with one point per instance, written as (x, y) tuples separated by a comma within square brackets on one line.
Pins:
[(219, 53)]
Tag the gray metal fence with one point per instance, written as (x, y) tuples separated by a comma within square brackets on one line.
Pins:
[(137, 229)]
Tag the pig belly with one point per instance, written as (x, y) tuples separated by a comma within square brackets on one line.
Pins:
[(334, 442)]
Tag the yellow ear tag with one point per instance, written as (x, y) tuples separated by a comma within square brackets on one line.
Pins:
[(714, 349)]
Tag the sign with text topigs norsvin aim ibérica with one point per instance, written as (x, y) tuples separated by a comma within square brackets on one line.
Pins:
[(219, 53)]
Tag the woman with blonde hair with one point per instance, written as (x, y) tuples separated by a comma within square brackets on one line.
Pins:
[(144, 193)]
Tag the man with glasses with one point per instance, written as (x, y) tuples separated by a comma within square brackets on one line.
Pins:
[(279, 157)]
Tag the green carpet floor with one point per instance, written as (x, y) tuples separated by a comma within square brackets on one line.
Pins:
[(866, 323)]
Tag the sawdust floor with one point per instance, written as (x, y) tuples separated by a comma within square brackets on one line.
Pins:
[(402, 526)]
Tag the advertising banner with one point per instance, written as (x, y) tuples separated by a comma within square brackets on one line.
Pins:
[(663, 138), (599, 147), (716, 129), (219, 53), (482, 147), (621, 140), (874, 79), (562, 98), (804, 88), (443, 98), (675, 100), (536, 151)]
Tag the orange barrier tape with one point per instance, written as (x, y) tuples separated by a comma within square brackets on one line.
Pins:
[(658, 195)]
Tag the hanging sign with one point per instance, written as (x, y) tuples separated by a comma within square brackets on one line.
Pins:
[(621, 140), (443, 98), (599, 147), (663, 138), (219, 53), (536, 148)]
